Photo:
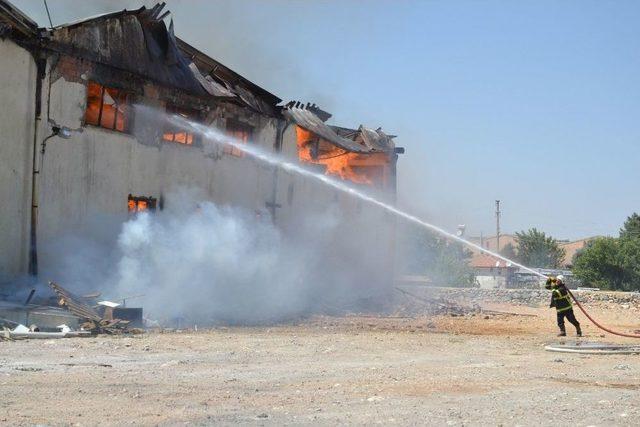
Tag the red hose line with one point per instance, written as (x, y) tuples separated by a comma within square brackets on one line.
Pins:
[(604, 328)]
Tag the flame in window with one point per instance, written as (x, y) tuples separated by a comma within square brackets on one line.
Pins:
[(107, 107), (240, 133), (174, 133), (370, 169), (137, 204)]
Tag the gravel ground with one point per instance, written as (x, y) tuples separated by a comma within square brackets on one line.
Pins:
[(468, 370)]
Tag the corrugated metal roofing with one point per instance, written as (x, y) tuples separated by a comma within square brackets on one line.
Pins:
[(134, 41), (218, 71), (139, 41), (211, 86), (306, 119), (376, 139)]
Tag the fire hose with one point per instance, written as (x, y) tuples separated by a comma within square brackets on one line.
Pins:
[(595, 322)]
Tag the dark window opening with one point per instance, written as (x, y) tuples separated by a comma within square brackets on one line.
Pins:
[(174, 132), (241, 133), (137, 204), (108, 108)]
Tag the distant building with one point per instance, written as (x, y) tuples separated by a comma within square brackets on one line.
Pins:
[(492, 273), (572, 248), (491, 242)]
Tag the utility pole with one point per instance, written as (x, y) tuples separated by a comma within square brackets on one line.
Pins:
[(498, 226)]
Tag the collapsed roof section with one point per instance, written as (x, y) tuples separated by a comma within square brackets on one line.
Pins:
[(361, 140), (215, 72), (138, 41)]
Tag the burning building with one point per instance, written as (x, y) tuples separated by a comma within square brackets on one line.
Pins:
[(72, 145)]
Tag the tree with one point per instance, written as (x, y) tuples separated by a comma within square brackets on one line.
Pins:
[(443, 261), (612, 263), (536, 249), (509, 251), (629, 258), (598, 264), (631, 227), (447, 262)]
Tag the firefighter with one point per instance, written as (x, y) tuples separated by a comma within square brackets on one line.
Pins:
[(561, 300)]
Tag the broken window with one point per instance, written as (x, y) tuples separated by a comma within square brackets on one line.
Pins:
[(140, 204), (108, 107), (174, 132), (241, 133)]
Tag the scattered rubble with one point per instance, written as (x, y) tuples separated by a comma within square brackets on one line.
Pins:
[(84, 314), (22, 332), (433, 305), (94, 322)]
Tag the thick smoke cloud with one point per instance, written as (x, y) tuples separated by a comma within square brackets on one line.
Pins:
[(209, 264)]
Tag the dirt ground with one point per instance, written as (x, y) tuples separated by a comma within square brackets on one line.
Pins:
[(349, 370)]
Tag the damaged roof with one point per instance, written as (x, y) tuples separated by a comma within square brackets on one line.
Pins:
[(376, 139), (308, 120), (361, 140), (229, 80), (139, 41)]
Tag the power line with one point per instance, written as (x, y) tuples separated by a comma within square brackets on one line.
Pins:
[(497, 225), (48, 14)]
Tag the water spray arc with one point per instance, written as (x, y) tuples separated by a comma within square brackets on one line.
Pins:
[(218, 137)]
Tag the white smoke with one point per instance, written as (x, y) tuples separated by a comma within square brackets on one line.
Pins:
[(206, 263)]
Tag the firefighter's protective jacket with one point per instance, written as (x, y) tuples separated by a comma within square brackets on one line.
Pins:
[(560, 298)]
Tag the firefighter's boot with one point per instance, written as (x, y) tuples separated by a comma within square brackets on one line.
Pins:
[(578, 331)]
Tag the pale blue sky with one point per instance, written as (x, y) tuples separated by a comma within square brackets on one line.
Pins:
[(532, 102)]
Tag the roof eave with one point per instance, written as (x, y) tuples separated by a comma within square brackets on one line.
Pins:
[(18, 20)]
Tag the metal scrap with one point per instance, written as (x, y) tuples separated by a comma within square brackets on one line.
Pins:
[(93, 321), (74, 303)]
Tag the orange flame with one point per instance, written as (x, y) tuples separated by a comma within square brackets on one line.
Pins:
[(369, 169)]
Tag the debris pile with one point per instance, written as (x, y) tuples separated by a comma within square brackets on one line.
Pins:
[(88, 317), (413, 305), (33, 332), (93, 321)]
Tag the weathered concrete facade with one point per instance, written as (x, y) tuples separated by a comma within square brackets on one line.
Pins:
[(17, 85), (93, 172)]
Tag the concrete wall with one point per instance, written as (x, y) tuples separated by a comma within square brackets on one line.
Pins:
[(92, 173), (85, 180), (17, 91)]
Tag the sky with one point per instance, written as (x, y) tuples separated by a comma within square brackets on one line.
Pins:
[(535, 103)]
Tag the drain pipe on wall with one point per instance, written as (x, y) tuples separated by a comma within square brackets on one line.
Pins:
[(273, 204), (36, 167), (41, 65)]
